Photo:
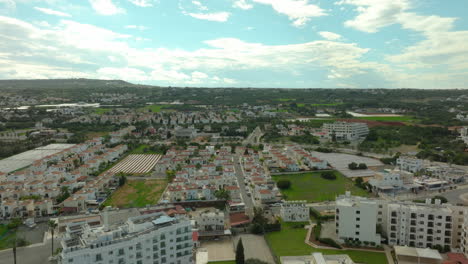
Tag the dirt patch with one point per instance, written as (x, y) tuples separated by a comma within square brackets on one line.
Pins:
[(137, 193)]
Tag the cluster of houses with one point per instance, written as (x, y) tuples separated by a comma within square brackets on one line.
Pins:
[(258, 179), (292, 158), (33, 191), (199, 173)]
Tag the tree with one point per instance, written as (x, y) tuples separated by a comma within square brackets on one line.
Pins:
[(359, 181), (240, 258), (353, 166), (284, 184), (122, 180), (328, 175), (362, 166), (52, 225), (13, 226), (222, 194)]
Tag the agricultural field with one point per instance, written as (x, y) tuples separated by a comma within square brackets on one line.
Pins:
[(136, 164), (137, 193), (409, 119), (313, 188), (290, 242)]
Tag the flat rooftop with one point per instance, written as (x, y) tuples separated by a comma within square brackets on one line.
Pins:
[(27, 158)]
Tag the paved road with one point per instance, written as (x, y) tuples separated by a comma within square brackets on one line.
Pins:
[(240, 179)]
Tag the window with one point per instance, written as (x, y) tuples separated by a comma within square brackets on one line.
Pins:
[(138, 255), (98, 257), (358, 212), (138, 245), (70, 260), (121, 252), (358, 226), (358, 219)]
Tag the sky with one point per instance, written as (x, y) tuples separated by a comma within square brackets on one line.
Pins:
[(239, 43)]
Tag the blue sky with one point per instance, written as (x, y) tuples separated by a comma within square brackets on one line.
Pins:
[(239, 43)]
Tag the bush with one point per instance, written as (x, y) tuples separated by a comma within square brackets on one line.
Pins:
[(317, 230), (284, 184), (328, 175), (330, 242), (362, 166)]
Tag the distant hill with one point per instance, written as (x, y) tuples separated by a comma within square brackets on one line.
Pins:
[(63, 84)]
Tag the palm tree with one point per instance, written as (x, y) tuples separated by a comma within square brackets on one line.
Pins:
[(13, 226), (52, 225)]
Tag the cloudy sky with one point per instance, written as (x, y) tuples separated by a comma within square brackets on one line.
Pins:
[(239, 43)]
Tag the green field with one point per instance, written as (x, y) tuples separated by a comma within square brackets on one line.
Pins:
[(155, 108), (141, 150), (313, 188), (290, 242), (137, 193), (286, 99), (390, 118), (101, 111), (327, 104), (5, 237)]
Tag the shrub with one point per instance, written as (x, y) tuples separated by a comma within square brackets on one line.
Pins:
[(284, 184), (330, 242), (362, 166), (328, 175)]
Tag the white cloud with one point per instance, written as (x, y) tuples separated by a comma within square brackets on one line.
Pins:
[(373, 15), (52, 12), (142, 3), (70, 49), (106, 7), (136, 27), (242, 4), (217, 16), (298, 11), (329, 35), (200, 6)]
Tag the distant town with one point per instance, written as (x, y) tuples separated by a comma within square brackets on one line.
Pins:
[(122, 173)]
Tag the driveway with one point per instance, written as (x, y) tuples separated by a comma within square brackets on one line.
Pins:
[(255, 247)]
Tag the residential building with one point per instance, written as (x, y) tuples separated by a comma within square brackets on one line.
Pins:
[(410, 164), (342, 131), (356, 219), (294, 211), (425, 224), (151, 238)]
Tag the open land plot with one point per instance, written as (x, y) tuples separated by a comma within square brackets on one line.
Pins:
[(313, 188), (137, 193), (340, 162), (136, 164), (221, 250), (290, 242), (155, 108), (390, 118)]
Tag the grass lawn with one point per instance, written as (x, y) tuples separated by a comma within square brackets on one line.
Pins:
[(101, 111), (313, 188), (141, 150), (290, 242), (4, 237), (390, 118), (137, 193), (155, 108)]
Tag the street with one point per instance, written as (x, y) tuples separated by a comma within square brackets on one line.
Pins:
[(240, 179)]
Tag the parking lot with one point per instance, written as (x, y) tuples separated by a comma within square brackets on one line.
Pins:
[(340, 162), (220, 250)]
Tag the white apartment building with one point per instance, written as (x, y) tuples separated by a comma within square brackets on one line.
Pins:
[(410, 164), (357, 218), (345, 130), (211, 221), (464, 134), (464, 236), (424, 224), (294, 211), (404, 223), (152, 238)]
